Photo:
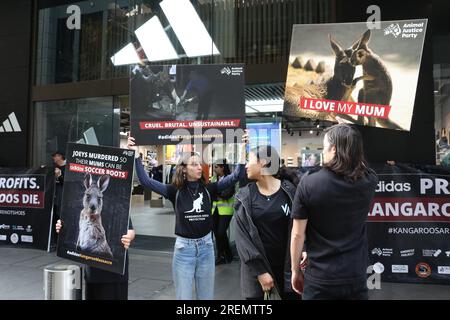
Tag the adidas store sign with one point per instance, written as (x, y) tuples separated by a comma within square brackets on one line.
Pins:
[(152, 35), (10, 124)]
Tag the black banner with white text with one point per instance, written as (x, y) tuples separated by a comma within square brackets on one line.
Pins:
[(409, 225), (26, 198)]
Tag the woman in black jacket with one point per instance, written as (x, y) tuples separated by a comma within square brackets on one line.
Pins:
[(263, 224)]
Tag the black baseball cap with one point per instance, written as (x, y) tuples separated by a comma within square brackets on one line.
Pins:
[(56, 153)]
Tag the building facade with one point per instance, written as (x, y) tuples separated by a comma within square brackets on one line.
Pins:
[(59, 81)]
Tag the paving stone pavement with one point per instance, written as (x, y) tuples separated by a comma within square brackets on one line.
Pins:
[(21, 278)]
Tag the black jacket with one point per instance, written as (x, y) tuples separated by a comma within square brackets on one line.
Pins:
[(250, 247)]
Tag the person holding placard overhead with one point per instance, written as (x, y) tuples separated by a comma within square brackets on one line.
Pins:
[(192, 198)]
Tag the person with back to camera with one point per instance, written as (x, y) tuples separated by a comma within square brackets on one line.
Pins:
[(193, 259), (330, 211), (263, 224)]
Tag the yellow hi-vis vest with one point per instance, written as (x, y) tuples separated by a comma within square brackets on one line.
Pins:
[(224, 207)]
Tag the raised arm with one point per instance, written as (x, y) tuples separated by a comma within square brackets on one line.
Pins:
[(239, 171), (145, 180), (231, 179), (148, 182)]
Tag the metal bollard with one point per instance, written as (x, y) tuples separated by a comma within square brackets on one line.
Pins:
[(63, 282)]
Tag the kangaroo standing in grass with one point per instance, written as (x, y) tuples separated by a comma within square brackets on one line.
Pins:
[(92, 235), (377, 79)]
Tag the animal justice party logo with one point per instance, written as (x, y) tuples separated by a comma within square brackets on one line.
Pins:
[(408, 30)]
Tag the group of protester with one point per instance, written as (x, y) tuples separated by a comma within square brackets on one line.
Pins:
[(296, 237)]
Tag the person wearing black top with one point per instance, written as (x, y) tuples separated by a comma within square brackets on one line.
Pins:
[(330, 210), (60, 168), (223, 213), (193, 259), (105, 285), (263, 223)]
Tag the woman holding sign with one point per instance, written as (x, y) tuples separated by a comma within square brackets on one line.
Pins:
[(192, 199)]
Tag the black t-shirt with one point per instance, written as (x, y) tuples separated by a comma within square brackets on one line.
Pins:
[(193, 209), (271, 216), (336, 237), (60, 179), (59, 187)]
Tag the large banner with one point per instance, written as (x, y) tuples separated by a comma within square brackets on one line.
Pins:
[(26, 199), (311, 158), (186, 102), (409, 225), (96, 205), (365, 76)]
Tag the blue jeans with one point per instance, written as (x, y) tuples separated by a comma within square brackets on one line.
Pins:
[(193, 260)]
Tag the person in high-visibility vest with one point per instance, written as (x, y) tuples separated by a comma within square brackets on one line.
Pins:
[(222, 211)]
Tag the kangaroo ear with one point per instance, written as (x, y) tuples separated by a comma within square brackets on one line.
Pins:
[(103, 182), (355, 45), (335, 46), (365, 38), (87, 180)]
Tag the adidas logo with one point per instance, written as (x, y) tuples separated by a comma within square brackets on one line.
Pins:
[(155, 43), (10, 124)]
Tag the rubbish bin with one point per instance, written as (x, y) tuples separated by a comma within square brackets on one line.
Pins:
[(63, 282)]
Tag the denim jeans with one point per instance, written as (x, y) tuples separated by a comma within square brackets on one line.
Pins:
[(193, 261), (351, 291)]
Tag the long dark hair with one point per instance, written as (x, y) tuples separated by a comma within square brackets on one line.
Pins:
[(179, 177), (349, 160), (223, 164), (290, 174)]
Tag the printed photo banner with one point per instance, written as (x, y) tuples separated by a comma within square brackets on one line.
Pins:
[(181, 103), (409, 225), (26, 200), (366, 77), (311, 158), (96, 205)]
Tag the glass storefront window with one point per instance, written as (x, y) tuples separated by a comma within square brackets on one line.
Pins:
[(65, 55), (91, 121), (251, 32)]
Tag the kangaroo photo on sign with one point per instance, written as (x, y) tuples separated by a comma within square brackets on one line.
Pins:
[(96, 205), (363, 76)]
